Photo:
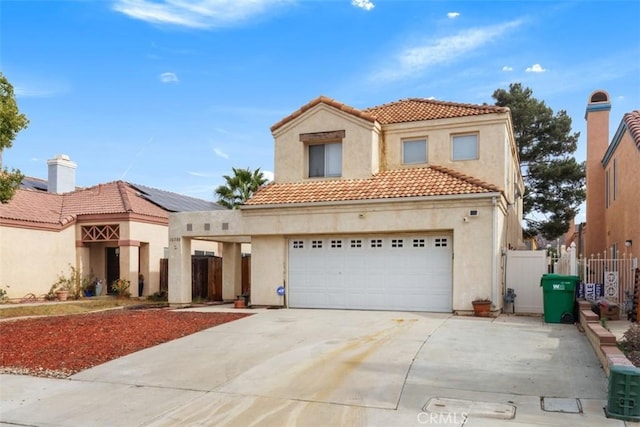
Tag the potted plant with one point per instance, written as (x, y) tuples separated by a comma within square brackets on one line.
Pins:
[(482, 307), (71, 286), (121, 288)]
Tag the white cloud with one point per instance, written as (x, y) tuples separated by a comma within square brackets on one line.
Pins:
[(168, 78), (218, 152), (413, 60), (268, 174), (507, 68), (195, 14), (198, 174), (535, 68), (363, 4), (453, 15)]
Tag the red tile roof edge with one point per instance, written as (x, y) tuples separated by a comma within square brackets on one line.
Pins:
[(489, 188), (632, 120), (489, 108)]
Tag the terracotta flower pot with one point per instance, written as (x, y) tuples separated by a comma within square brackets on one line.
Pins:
[(481, 308), (239, 303), (62, 295)]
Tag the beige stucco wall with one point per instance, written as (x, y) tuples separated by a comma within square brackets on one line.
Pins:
[(622, 217), (360, 148), (31, 260), (477, 241), (494, 165)]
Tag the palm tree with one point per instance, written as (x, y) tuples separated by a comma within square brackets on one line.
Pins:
[(239, 187)]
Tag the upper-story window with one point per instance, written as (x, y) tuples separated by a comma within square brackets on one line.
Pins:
[(414, 151), (324, 153), (464, 147), (325, 160)]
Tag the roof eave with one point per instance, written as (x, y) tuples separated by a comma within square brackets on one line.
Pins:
[(374, 201)]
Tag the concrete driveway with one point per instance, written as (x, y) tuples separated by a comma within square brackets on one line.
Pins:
[(327, 368)]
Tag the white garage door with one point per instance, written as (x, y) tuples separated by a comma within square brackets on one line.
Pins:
[(410, 273)]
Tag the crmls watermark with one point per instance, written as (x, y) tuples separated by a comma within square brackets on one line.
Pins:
[(426, 418)]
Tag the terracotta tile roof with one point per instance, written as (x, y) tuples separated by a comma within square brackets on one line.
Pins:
[(324, 100), (417, 109), (37, 206), (405, 110), (34, 206), (632, 120), (391, 184)]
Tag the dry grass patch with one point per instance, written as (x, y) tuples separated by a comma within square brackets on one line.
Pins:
[(8, 311)]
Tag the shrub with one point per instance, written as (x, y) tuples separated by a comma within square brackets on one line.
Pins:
[(121, 287), (3, 294), (630, 344)]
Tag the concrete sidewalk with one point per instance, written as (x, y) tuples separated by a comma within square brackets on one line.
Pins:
[(326, 367)]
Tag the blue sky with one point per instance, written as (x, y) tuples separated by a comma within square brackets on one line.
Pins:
[(174, 93)]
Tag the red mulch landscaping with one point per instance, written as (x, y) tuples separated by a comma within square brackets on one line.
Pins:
[(60, 346)]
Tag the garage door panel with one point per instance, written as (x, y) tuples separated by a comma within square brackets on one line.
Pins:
[(378, 272)]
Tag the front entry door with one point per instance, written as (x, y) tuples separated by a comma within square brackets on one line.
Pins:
[(113, 267)]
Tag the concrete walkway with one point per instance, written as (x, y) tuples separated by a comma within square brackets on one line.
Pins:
[(329, 368)]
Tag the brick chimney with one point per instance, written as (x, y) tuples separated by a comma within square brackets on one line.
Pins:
[(597, 117), (62, 174)]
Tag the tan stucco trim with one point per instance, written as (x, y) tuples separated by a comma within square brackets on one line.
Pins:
[(129, 243), (133, 217)]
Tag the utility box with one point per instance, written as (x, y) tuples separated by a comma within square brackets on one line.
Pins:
[(559, 297), (623, 401)]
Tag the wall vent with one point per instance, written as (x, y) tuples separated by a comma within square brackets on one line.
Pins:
[(473, 212)]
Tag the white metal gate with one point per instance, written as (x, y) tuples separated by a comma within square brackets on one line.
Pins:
[(616, 275), (523, 273)]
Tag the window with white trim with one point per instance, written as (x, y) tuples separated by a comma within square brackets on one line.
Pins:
[(376, 243), (357, 243), (418, 243), (336, 244), (316, 244), (298, 244), (325, 160), (414, 151), (464, 147)]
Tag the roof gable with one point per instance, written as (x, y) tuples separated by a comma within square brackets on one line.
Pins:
[(118, 197), (402, 111), (391, 184), (322, 100), (630, 123)]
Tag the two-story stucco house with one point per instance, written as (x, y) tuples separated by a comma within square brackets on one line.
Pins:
[(409, 205)]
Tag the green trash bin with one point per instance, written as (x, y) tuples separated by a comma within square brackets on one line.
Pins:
[(623, 401), (559, 297)]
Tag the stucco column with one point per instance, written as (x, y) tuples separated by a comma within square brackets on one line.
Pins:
[(179, 271), (231, 271), (83, 259), (129, 256)]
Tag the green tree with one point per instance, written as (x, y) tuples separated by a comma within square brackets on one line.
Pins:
[(553, 179), (239, 187), (11, 122)]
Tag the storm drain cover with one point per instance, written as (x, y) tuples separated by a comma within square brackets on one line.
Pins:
[(473, 408), (558, 404)]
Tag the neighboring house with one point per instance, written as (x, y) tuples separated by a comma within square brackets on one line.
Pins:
[(113, 230), (613, 182), (410, 205)]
